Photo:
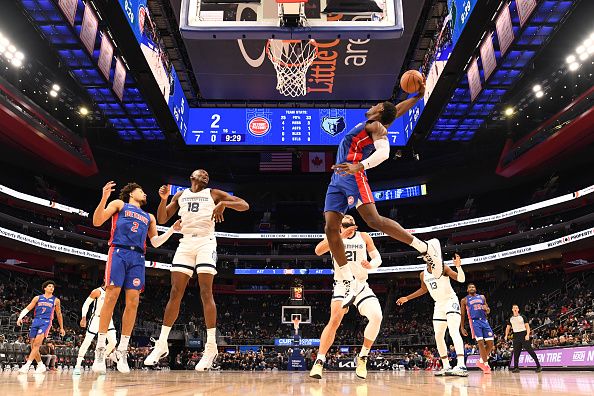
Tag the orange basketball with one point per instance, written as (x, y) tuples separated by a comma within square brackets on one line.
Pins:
[(411, 81)]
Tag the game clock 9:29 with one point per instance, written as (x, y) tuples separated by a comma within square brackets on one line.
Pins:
[(232, 138)]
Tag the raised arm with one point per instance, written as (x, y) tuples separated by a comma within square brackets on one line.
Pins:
[(59, 317), (457, 276), (224, 200), (102, 213), (420, 291), (166, 211), (27, 309), (404, 106)]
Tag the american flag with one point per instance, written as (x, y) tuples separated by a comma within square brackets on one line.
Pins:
[(276, 162)]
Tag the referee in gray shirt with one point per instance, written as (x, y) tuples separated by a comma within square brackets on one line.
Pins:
[(519, 324)]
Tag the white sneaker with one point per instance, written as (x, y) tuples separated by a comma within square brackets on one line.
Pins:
[(208, 357), (99, 363), (160, 350), (40, 368), (433, 257), (458, 371), (76, 371), (25, 369), (442, 372), (122, 361), (353, 288)]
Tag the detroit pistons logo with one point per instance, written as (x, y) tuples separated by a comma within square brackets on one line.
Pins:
[(351, 200), (136, 282), (258, 126)]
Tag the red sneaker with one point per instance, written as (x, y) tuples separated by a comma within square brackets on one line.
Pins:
[(483, 367)]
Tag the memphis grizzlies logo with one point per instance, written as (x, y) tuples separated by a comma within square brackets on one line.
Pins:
[(333, 125), (456, 306)]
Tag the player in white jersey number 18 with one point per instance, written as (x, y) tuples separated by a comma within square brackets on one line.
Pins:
[(199, 208), (446, 314)]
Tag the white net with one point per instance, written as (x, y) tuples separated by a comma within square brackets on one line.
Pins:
[(291, 60)]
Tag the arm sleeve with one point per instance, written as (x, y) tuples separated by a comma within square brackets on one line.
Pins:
[(381, 153), (85, 307), (158, 240), (461, 275), (376, 259), (24, 313)]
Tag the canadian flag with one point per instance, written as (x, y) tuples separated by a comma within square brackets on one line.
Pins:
[(317, 162)]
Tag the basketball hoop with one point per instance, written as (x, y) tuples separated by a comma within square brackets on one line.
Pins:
[(291, 60), (296, 322)]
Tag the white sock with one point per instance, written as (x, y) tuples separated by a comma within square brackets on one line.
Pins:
[(28, 363), (164, 333), (79, 361), (364, 351), (445, 362), (321, 356), (101, 337), (123, 345), (460, 362), (481, 360), (419, 245), (211, 336), (346, 272)]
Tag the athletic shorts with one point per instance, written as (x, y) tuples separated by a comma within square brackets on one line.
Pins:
[(125, 268), (446, 307), (93, 326), (339, 290), (196, 255), (39, 327), (347, 192), (481, 329)]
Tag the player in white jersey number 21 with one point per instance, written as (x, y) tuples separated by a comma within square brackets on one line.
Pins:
[(357, 245), (199, 208), (446, 314)]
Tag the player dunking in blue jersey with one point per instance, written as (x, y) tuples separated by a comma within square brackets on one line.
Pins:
[(130, 226), (476, 307), (364, 147), (44, 306)]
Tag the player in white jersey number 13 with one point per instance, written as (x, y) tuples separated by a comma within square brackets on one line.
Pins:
[(199, 208), (357, 246), (446, 314)]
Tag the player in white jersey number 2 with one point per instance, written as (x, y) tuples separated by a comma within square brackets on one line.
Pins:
[(96, 299), (446, 314), (199, 208), (357, 245)]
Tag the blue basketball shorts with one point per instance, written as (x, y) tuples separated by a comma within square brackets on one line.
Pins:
[(125, 268), (347, 192)]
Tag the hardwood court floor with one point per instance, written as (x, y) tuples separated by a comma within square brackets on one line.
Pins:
[(229, 383)]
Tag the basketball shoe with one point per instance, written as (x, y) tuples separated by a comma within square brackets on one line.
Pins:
[(442, 372), (317, 369), (483, 366), (458, 371), (99, 363), (361, 370), (160, 350), (433, 257), (40, 368), (122, 361), (208, 357)]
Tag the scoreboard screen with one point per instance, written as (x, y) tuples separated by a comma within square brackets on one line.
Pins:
[(281, 126)]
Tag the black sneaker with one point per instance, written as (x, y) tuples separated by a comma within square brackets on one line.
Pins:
[(539, 369), (516, 370)]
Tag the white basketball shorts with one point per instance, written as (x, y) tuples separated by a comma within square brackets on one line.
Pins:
[(446, 307), (196, 255)]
